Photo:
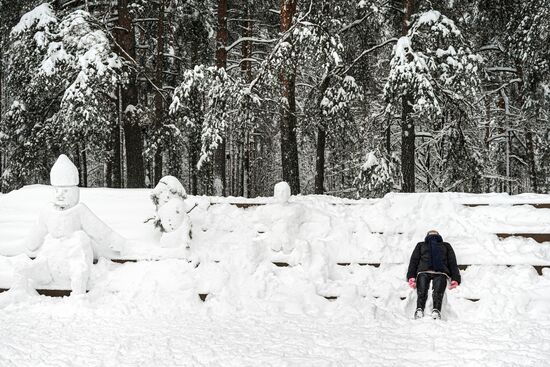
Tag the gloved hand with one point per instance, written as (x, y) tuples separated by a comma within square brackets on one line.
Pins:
[(412, 283), (453, 285)]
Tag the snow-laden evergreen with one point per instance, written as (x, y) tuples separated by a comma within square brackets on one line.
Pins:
[(65, 76)]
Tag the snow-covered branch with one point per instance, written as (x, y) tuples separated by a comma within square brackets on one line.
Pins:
[(249, 39), (517, 80), (502, 69)]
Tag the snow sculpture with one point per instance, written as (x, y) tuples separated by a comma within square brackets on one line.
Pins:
[(171, 213), (281, 192), (218, 187), (284, 220), (66, 233), (294, 232)]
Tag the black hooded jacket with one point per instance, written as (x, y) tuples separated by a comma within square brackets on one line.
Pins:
[(420, 260)]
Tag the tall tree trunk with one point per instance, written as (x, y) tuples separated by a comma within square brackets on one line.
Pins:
[(531, 158), (108, 172), (288, 122), (246, 69), (407, 146), (195, 147), (116, 159), (221, 62), (84, 168), (194, 143), (527, 128), (320, 161), (76, 161), (407, 124), (2, 41), (388, 137), (159, 80), (408, 6), (321, 140), (529, 141), (125, 37)]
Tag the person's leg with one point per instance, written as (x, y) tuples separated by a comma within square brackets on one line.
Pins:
[(422, 286), (439, 284)]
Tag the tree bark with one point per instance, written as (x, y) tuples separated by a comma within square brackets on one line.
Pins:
[(125, 37), (246, 69), (320, 161), (388, 137), (321, 140), (405, 24), (195, 147), (219, 158), (76, 161), (407, 124), (116, 159), (407, 146), (84, 168), (2, 41), (527, 128), (159, 80), (288, 122)]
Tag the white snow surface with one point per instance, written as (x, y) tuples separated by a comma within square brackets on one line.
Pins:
[(257, 314)]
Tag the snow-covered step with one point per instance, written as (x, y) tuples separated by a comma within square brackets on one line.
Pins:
[(282, 264), (334, 298), (538, 237), (539, 268), (245, 205), (202, 296), (67, 292), (534, 205)]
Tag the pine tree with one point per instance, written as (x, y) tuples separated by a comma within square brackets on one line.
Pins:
[(433, 73), (64, 76)]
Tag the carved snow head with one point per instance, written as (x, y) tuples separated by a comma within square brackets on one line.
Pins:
[(64, 178), (281, 192), (169, 187)]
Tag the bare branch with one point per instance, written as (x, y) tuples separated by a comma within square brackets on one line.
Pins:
[(365, 52), (517, 80)]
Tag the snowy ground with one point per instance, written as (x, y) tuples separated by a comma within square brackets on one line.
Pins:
[(149, 313), (137, 326), (75, 334)]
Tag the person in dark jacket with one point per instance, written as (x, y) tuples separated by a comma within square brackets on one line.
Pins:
[(432, 260)]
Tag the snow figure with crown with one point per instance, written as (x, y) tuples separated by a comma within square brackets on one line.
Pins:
[(67, 233), (171, 213), (283, 220), (286, 228)]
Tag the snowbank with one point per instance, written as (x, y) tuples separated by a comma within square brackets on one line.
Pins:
[(339, 230), (257, 313)]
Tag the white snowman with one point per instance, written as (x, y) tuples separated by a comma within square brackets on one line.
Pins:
[(67, 232), (280, 222), (171, 213)]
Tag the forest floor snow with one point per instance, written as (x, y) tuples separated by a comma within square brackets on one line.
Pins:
[(149, 314), (83, 331)]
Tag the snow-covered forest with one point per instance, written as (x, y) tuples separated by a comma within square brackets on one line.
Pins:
[(352, 98)]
